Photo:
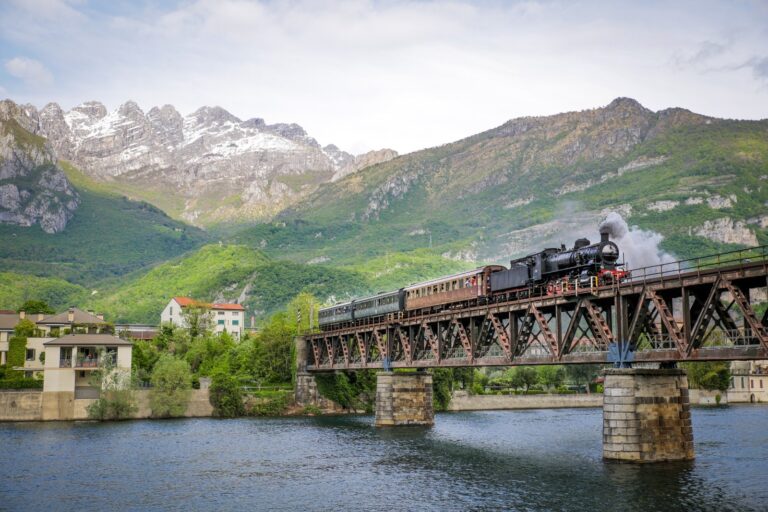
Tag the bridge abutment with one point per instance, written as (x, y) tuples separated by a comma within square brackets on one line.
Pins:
[(646, 415), (404, 399)]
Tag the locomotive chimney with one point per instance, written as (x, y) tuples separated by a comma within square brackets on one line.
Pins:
[(604, 234)]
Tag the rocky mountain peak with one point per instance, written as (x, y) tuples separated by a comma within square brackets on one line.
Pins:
[(92, 109), (130, 108), (212, 115), (33, 189)]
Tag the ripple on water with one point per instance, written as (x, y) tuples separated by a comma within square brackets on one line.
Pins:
[(503, 460)]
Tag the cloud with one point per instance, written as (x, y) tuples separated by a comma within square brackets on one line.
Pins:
[(760, 68), (29, 70)]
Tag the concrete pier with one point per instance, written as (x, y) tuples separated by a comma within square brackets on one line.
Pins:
[(646, 416), (404, 399)]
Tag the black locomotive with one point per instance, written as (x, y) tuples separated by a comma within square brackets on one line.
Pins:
[(554, 267)]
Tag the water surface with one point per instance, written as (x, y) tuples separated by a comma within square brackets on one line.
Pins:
[(496, 460)]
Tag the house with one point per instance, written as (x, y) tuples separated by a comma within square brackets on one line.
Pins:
[(749, 382), (72, 320), (48, 327), (70, 361), (224, 317)]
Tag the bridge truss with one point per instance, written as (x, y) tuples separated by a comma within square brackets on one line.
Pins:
[(691, 310)]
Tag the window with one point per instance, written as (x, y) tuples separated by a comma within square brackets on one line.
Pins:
[(761, 383), (235, 322), (170, 312), (30, 354), (221, 321), (221, 313), (742, 383), (235, 313)]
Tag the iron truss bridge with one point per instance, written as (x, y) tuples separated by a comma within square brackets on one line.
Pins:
[(691, 310)]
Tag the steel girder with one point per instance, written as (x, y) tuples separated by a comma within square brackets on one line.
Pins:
[(701, 316)]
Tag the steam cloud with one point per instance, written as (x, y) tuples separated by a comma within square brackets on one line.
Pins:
[(640, 248)]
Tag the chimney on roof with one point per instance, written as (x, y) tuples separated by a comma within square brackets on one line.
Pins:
[(40, 316), (91, 312), (22, 315), (71, 314), (100, 316)]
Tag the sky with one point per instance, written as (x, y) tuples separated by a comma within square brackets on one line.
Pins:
[(400, 74)]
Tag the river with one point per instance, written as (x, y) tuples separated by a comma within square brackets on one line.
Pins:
[(495, 460)]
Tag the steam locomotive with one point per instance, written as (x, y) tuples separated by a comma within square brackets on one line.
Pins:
[(548, 272)]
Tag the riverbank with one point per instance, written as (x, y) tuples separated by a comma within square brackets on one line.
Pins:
[(30, 405)]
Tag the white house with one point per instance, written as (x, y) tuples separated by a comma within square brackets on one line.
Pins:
[(224, 317), (69, 362)]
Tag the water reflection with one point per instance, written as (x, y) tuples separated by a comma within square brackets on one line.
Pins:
[(516, 460)]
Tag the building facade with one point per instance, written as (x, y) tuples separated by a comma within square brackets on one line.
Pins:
[(223, 317), (70, 361), (749, 382)]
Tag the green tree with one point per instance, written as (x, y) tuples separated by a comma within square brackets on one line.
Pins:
[(198, 321), (210, 353), (715, 375), (25, 328), (550, 376), (442, 387), (356, 390), (144, 356), (273, 350), (582, 374), (171, 387), (36, 306), (226, 396), (524, 377)]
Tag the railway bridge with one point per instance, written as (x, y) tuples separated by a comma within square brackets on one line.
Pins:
[(690, 310)]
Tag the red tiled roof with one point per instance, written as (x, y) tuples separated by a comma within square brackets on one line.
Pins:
[(186, 301), (230, 307)]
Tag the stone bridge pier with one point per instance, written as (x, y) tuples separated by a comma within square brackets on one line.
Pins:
[(404, 399), (646, 415)]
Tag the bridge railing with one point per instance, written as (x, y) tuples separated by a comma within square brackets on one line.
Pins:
[(674, 269)]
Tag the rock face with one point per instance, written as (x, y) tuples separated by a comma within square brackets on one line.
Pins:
[(365, 160), (33, 189), (727, 231), (213, 166)]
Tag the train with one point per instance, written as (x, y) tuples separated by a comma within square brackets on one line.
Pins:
[(547, 272)]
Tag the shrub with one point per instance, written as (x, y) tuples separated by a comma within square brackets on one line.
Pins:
[(21, 383), (113, 405), (226, 397), (311, 410), (268, 406), (171, 387)]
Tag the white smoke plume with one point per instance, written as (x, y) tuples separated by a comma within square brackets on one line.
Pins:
[(640, 248)]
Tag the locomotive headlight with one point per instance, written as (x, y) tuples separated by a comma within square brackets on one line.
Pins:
[(609, 252)]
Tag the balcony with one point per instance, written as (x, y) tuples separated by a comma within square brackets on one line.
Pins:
[(65, 363), (87, 362)]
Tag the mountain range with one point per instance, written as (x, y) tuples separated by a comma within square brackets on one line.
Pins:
[(321, 219), (204, 168)]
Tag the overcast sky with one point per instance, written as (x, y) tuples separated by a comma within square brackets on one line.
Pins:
[(405, 75)]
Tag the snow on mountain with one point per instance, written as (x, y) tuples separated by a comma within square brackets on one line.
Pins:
[(219, 167)]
